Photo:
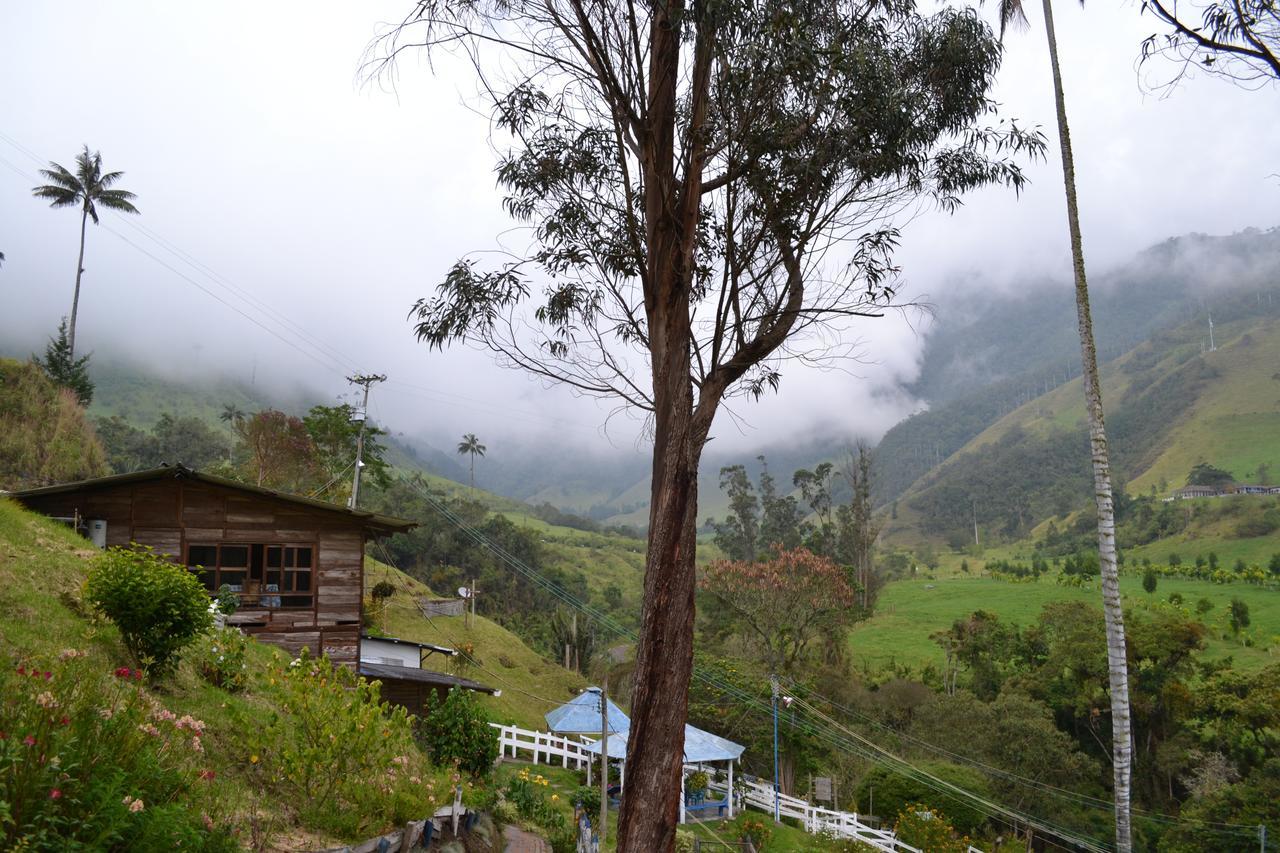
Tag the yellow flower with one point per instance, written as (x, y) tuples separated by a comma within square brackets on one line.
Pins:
[(253, 759), (555, 798)]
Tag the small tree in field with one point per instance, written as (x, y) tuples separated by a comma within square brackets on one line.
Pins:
[(1149, 580), (785, 601), (66, 370), (711, 190), (1239, 616)]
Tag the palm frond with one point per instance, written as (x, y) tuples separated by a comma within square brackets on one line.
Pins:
[(109, 178), (88, 166), (60, 176), (58, 196), (117, 200), (1012, 14)]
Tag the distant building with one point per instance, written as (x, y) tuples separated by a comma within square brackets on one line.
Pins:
[(399, 665), (1187, 492)]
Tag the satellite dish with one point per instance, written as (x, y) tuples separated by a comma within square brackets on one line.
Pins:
[(463, 592)]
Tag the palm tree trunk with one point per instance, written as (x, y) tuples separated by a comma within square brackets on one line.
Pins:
[(473, 472), (1117, 665), (75, 300)]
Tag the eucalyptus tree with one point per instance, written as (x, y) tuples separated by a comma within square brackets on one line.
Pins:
[(471, 446), (1012, 12), (712, 191), (1235, 39), (87, 187)]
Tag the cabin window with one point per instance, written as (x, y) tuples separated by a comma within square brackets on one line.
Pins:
[(267, 576)]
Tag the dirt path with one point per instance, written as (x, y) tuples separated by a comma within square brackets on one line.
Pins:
[(516, 840)]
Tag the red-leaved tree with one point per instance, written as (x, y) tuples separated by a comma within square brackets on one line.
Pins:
[(281, 453), (786, 601)]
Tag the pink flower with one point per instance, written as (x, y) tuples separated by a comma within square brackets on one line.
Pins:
[(65, 721), (48, 676), (208, 822), (149, 729), (136, 806), (46, 700), (195, 744), (22, 670), (55, 794), (165, 714), (29, 740), (207, 775), (122, 672)]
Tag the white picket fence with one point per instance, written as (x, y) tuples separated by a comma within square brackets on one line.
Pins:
[(542, 746), (815, 819), (552, 749)]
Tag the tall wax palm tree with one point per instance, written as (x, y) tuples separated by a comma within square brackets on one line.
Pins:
[(232, 415), (87, 187), (1012, 12), (471, 445)]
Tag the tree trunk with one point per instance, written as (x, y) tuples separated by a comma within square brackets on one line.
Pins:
[(1117, 665), (664, 658), (75, 300)]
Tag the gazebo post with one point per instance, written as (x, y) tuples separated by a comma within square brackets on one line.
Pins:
[(730, 794)]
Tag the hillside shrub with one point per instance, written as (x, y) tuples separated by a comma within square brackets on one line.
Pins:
[(456, 731), (527, 792), (345, 760), (89, 761), (160, 608), (895, 793), (219, 656), (587, 798), (45, 436), (928, 829), (749, 825)]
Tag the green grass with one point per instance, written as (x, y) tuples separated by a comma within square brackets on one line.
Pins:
[(909, 611), (531, 685)]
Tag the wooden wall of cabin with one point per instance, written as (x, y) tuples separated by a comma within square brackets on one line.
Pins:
[(167, 514)]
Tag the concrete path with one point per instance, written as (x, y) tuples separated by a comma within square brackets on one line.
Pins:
[(516, 840)]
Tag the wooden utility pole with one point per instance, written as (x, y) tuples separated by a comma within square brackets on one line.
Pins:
[(362, 415), (604, 758)]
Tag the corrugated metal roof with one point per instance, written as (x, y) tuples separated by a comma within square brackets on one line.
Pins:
[(391, 672), (382, 523), (699, 746), (581, 715), (445, 650)]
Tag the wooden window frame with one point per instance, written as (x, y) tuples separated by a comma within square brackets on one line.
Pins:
[(297, 600)]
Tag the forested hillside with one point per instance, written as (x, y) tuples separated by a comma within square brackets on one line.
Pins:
[(976, 370)]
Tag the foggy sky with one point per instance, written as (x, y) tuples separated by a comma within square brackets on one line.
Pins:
[(257, 154)]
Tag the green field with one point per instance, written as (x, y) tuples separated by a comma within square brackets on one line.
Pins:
[(909, 611)]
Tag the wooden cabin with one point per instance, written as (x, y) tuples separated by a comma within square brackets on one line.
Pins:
[(296, 563)]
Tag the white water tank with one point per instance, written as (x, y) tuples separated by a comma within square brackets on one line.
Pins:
[(98, 531)]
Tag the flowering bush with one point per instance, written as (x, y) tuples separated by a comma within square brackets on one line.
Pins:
[(747, 825), (527, 792), (345, 759), (159, 607), (456, 731), (927, 828), (220, 658), (90, 761)]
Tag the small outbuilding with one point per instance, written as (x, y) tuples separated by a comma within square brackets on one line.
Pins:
[(296, 563)]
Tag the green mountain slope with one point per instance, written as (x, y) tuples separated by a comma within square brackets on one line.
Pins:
[(1169, 407), (989, 354)]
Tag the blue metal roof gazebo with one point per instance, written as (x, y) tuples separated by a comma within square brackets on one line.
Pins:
[(700, 747), (581, 716)]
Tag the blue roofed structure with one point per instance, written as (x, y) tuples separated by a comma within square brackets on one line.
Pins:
[(581, 716)]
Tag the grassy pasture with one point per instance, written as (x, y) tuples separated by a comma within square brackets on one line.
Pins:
[(910, 610)]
